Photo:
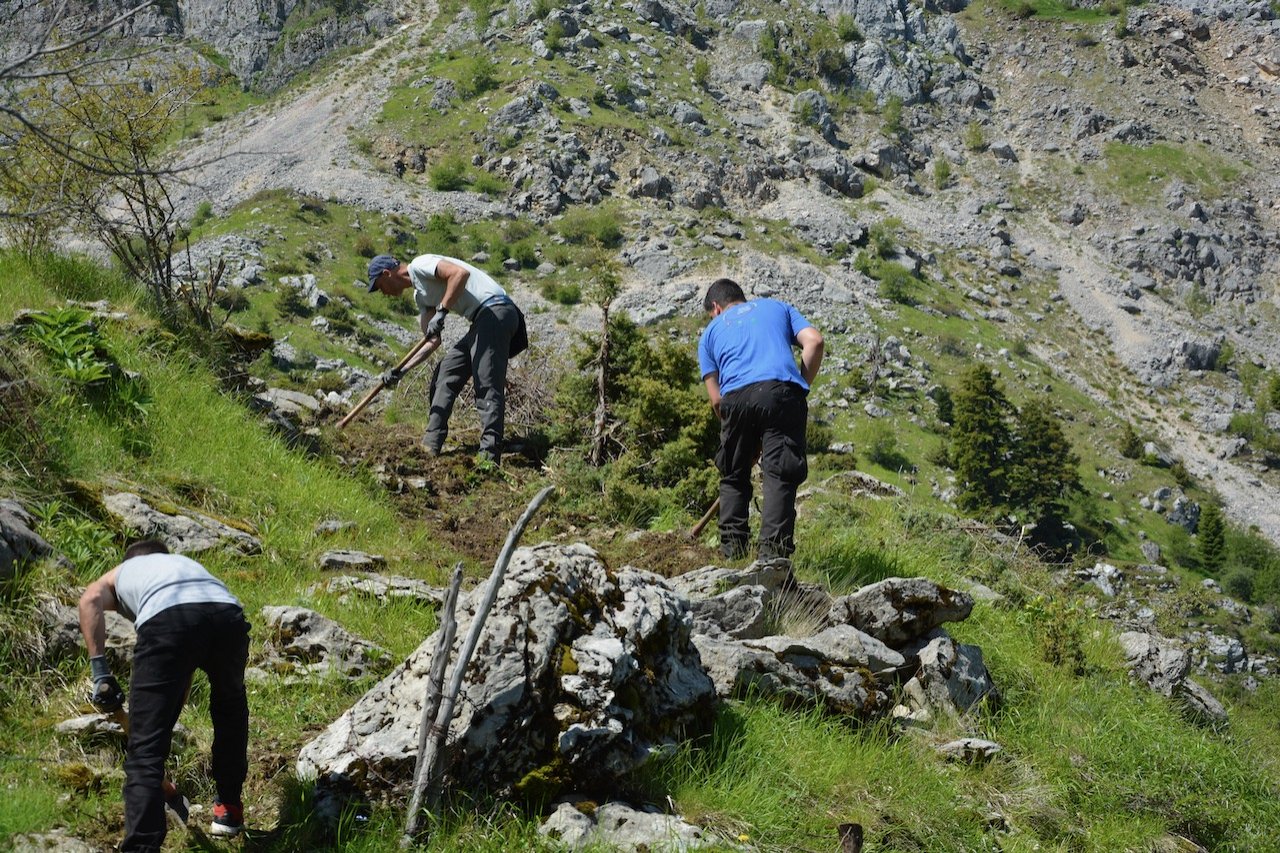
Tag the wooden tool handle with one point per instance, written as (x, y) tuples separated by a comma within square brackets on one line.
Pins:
[(377, 388)]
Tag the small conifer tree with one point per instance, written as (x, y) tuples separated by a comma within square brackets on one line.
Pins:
[(1212, 539), (980, 441), (1044, 469)]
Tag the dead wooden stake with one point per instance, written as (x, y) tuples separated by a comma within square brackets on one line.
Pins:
[(430, 761), (431, 702)]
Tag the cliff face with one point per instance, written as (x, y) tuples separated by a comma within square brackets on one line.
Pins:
[(263, 42)]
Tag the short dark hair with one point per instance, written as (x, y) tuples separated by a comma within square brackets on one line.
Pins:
[(723, 291), (145, 546)]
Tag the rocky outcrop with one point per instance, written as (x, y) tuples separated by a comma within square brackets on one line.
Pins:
[(580, 673), (184, 531), (19, 544), (1162, 665), (303, 642)]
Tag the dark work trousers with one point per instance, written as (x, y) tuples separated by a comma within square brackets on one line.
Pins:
[(481, 354), (768, 418), (171, 646)]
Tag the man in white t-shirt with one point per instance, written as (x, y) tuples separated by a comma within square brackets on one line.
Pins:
[(441, 286), (186, 619)]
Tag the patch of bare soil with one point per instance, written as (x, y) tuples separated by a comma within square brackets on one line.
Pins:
[(469, 504), (666, 554)]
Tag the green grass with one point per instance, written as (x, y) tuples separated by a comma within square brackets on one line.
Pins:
[(1141, 173)]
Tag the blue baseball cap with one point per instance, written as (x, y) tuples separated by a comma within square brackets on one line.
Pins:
[(378, 266)]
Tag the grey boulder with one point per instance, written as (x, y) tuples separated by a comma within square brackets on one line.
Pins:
[(897, 610)]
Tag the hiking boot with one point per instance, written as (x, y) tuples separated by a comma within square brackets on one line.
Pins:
[(734, 549), (227, 820), (488, 457), (177, 807)]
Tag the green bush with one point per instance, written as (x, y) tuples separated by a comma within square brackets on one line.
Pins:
[(895, 282), (975, 137), (1239, 583), (1131, 443), (204, 212), (449, 174), (891, 114), (701, 72), (563, 292), (476, 75), (881, 446), (847, 28), (489, 184), (590, 226), (941, 173), (554, 36), (365, 247)]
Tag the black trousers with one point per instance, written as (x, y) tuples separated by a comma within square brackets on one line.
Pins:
[(171, 646), (481, 354), (769, 419)]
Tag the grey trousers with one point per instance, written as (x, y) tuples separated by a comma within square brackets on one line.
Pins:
[(480, 355)]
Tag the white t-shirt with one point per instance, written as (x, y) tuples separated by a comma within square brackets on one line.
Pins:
[(151, 583), (429, 290)]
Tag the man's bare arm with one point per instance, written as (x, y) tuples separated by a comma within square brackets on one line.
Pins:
[(713, 391), (812, 348), (97, 598)]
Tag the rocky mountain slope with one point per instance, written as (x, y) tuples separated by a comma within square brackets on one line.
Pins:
[(1122, 166)]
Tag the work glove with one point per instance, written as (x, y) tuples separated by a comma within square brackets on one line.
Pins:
[(391, 378), (436, 324), (107, 695)]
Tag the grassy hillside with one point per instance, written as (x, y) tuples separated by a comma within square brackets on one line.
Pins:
[(1090, 761)]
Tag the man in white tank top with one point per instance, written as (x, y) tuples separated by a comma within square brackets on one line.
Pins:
[(441, 286), (186, 619)]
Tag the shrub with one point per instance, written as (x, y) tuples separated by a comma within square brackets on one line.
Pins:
[(592, 227), (806, 113), (941, 173), (701, 72), (1131, 443), (476, 75), (554, 35), (489, 184), (449, 174), (975, 138), (882, 447), (563, 292), (204, 212), (365, 247), (895, 282), (524, 252), (1211, 541), (541, 8), (1239, 583), (892, 116), (847, 28)]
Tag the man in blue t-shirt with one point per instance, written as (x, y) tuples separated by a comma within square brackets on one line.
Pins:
[(186, 619), (759, 394)]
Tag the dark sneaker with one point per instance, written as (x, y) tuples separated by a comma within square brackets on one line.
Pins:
[(177, 807), (227, 820), (734, 549)]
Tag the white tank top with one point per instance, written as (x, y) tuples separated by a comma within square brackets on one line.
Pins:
[(151, 583)]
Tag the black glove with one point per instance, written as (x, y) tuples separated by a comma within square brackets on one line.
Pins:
[(107, 695), (391, 378), (436, 324)]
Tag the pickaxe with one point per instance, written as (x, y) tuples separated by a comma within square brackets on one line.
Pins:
[(427, 344)]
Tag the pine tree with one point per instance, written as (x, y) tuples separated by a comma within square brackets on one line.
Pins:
[(980, 443), (1212, 539), (1044, 468)]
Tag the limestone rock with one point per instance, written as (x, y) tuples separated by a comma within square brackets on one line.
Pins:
[(342, 560), (601, 659), (304, 641), (190, 533), (897, 610), (18, 542), (383, 588), (970, 750), (952, 678), (617, 826)]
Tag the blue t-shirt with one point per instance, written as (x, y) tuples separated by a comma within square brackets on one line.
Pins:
[(751, 342)]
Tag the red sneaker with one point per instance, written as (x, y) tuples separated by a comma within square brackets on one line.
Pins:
[(228, 820)]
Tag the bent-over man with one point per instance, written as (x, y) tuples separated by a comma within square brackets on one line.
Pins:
[(186, 619), (443, 285), (760, 396)]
